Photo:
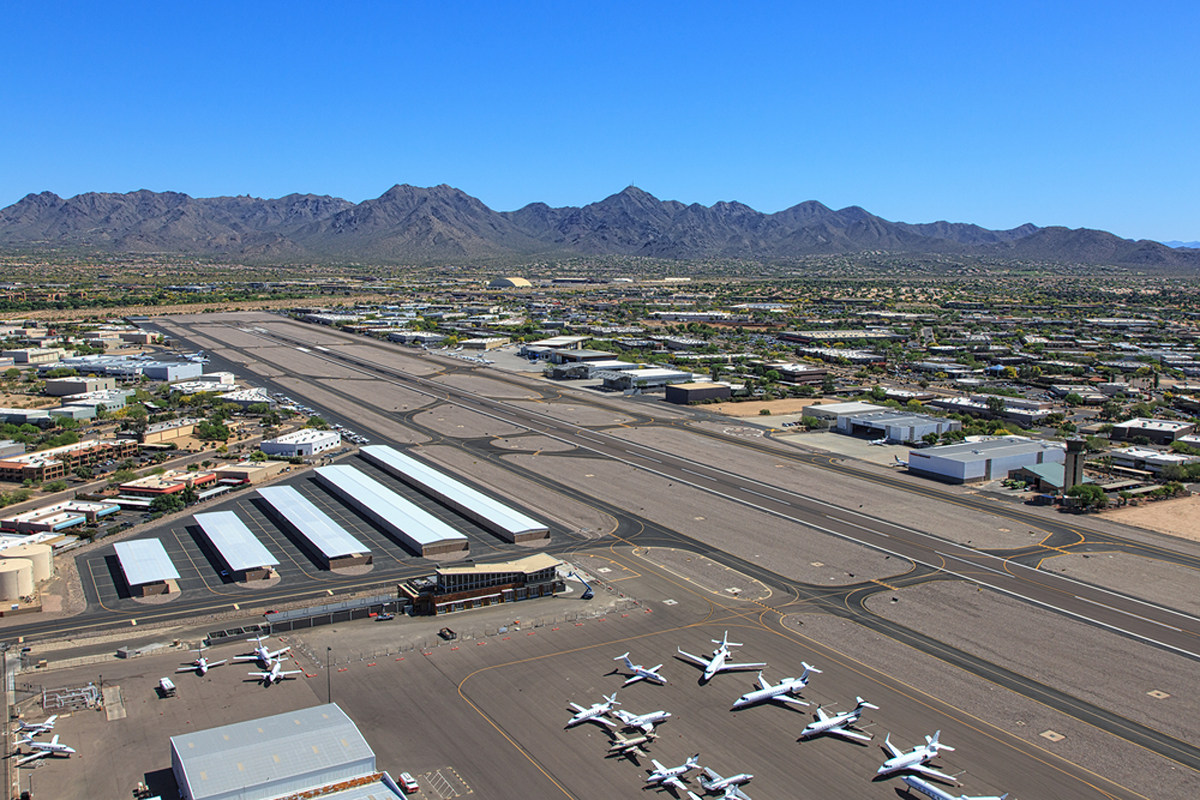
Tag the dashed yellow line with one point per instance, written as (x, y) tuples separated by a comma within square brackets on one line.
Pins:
[(885, 585)]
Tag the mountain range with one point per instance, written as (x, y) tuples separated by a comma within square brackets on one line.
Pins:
[(440, 224)]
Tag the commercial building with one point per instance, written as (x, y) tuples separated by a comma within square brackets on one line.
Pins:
[(830, 413), (314, 752), (147, 567), (35, 355), (1145, 459), (106, 399), (249, 397), (409, 524), (989, 458), (684, 393), (485, 342), (58, 516), (75, 412), (238, 547), (62, 387), (250, 471), (160, 432), (487, 512), (170, 482), (1157, 431), (333, 546), (47, 465), (416, 337), (895, 426), (643, 378), (465, 587), (302, 443)]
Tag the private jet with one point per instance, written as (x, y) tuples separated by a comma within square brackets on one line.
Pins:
[(782, 692), (37, 728), (43, 749), (274, 675), (201, 664), (261, 654), (900, 462), (727, 788), (937, 793), (629, 745), (720, 659), (645, 722), (595, 713), (840, 724), (914, 760), (670, 776), (641, 673)]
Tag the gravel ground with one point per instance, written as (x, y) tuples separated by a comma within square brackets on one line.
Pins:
[(784, 547), (1169, 585), (1176, 517), (533, 444), (941, 519), (575, 414), (1082, 660), (383, 424), (705, 572), (544, 502), (462, 423), (1085, 745), (487, 387), (385, 396)]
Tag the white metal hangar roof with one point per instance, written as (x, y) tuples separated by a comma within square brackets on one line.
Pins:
[(418, 528), (271, 757), (145, 561), (327, 536), (236, 543), (475, 505)]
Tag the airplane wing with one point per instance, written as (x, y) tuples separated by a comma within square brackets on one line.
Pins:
[(187, 669), (895, 751), (736, 791), (634, 679), (849, 734), (934, 773), (245, 658), (704, 662), (822, 715), (49, 723), (675, 783), (33, 757), (796, 701), (576, 706), (262, 676), (728, 665), (657, 766), (712, 774), (287, 672), (278, 653)]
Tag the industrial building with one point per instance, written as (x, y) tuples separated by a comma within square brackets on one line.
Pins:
[(1157, 431), (22, 568), (895, 426), (643, 378), (991, 458), (237, 546), (487, 512), (1146, 459), (147, 567), (465, 587), (414, 527), (249, 397), (301, 443), (62, 387), (329, 541), (314, 752)]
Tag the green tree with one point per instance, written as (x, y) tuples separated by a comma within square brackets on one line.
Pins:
[(167, 503), (1091, 495)]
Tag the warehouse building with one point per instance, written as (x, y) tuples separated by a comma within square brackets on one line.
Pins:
[(147, 567), (643, 378), (462, 588), (313, 752), (409, 524), (830, 413), (895, 426), (984, 460), (329, 541), (302, 443), (684, 393), (487, 512), (62, 387)]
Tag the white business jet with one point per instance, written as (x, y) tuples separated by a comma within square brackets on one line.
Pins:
[(937, 793), (914, 760), (37, 728), (645, 722), (641, 673), (261, 654), (719, 662), (274, 675), (782, 692), (43, 749), (595, 713), (839, 724), (728, 788), (201, 664), (670, 776)]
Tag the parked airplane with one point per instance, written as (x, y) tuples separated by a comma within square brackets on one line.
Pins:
[(201, 664), (37, 728), (781, 692), (261, 654), (839, 724), (878, 441), (914, 760), (627, 745), (594, 714), (276, 674), (720, 658), (900, 462), (641, 673), (644, 721), (728, 788), (938, 793), (43, 749), (669, 776)]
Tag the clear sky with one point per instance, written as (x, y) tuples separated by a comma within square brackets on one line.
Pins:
[(1082, 114)]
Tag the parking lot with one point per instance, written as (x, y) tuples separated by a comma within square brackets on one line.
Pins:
[(201, 570)]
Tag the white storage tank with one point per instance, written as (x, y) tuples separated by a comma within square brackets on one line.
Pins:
[(16, 578), (42, 556)]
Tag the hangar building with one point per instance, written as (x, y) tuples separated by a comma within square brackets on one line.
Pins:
[(984, 460), (314, 752)]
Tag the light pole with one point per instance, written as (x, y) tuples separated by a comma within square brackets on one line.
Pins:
[(328, 677)]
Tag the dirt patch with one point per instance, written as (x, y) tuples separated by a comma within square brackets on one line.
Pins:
[(1173, 517), (754, 408)]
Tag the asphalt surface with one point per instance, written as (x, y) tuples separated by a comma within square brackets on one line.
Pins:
[(1012, 573)]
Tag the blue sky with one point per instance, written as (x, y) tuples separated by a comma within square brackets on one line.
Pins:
[(1081, 114)]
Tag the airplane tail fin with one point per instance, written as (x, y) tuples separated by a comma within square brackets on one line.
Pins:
[(623, 657), (807, 669), (612, 699)]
